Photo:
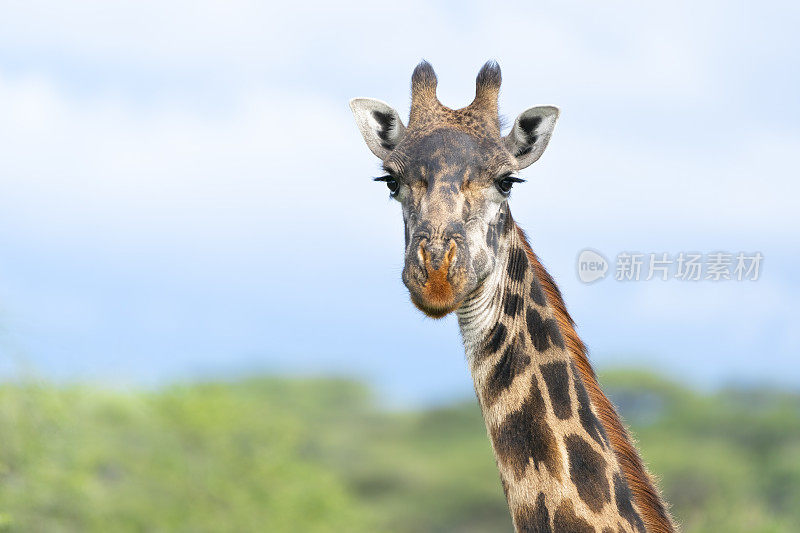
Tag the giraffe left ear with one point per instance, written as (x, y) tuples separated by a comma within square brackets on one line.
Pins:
[(379, 123), (531, 132)]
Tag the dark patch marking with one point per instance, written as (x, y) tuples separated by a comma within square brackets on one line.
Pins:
[(524, 436), (491, 238), (496, 338), (623, 499), (556, 376), (587, 469), (537, 294), (504, 222), (512, 305), (543, 331), (588, 420), (566, 521), (517, 264), (536, 519), (513, 361)]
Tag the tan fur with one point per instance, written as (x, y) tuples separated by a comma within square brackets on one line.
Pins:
[(438, 293), (524, 407), (565, 459), (654, 513)]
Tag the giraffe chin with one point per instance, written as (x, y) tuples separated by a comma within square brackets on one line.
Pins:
[(436, 299), (435, 311)]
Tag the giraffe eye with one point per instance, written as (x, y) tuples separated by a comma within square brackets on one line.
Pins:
[(507, 181), (391, 183)]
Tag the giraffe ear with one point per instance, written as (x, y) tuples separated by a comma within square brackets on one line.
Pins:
[(531, 132), (379, 123)]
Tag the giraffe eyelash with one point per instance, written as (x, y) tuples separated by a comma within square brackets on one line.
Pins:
[(390, 181), (505, 182)]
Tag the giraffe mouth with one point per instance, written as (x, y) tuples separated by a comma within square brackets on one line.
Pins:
[(434, 310), (436, 292)]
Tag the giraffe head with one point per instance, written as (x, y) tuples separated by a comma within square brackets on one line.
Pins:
[(452, 172)]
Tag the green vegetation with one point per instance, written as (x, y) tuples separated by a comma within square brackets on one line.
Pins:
[(316, 455)]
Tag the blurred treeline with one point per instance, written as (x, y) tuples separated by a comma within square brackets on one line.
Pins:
[(293, 455)]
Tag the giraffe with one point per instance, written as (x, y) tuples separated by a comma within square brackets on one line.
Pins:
[(566, 461)]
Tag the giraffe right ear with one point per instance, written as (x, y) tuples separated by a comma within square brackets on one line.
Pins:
[(379, 123), (531, 133)]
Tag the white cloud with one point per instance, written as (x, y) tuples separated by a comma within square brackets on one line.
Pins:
[(86, 162), (111, 162), (108, 148)]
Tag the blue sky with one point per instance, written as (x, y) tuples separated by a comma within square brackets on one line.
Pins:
[(183, 190)]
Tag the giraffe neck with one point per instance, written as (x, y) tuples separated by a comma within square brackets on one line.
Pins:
[(558, 468)]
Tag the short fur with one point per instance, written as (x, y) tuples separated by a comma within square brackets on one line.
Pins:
[(565, 459), (654, 513)]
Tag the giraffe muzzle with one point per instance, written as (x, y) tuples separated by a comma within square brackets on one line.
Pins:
[(437, 257), (434, 275)]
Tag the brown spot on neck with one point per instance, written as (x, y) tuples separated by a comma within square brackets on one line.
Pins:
[(524, 437), (565, 519), (533, 519), (645, 495)]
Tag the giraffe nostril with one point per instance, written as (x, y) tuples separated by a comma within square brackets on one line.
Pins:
[(451, 253), (421, 252)]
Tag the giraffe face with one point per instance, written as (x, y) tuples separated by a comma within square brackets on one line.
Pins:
[(452, 173), (453, 188)]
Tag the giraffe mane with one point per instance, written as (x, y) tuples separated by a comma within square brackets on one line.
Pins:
[(645, 494)]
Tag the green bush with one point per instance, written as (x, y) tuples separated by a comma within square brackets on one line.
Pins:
[(273, 454)]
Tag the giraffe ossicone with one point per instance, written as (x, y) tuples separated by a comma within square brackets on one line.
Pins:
[(565, 459)]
